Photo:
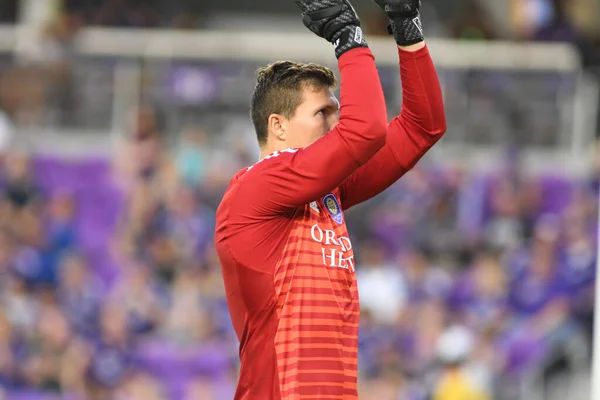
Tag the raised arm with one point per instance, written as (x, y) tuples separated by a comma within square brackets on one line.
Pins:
[(421, 122)]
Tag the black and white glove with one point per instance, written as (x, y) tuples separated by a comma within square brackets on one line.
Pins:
[(335, 21), (405, 20)]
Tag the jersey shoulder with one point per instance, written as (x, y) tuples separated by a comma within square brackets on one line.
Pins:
[(264, 165), (248, 180), (277, 158)]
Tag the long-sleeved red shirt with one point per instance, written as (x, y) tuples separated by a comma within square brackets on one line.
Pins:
[(287, 260)]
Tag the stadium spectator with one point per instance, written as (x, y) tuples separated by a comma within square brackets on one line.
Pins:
[(559, 27), (472, 23), (383, 290), (459, 379)]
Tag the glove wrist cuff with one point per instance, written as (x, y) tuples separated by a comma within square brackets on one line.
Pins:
[(348, 38)]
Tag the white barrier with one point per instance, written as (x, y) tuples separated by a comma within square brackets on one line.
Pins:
[(259, 46)]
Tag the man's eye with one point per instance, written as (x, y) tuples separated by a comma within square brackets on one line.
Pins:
[(321, 112)]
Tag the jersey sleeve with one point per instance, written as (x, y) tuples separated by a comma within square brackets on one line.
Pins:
[(291, 178), (411, 134)]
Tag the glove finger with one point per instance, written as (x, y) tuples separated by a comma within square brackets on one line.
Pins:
[(350, 6), (308, 22), (327, 13)]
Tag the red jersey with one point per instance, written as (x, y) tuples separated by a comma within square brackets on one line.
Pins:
[(287, 260)]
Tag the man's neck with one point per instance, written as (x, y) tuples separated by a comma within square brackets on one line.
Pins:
[(268, 150)]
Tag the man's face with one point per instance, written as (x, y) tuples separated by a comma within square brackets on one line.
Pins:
[(315, 116)]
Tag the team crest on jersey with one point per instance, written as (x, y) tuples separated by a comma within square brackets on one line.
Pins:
[(333, 207), (315, 207)]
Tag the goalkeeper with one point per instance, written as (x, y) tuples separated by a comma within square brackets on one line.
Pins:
[(281, 236)]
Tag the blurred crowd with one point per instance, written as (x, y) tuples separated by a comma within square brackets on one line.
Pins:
[(471, 284), (478, 284), (99, 326)]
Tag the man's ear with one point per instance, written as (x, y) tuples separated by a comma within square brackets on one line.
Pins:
[(277, 124)]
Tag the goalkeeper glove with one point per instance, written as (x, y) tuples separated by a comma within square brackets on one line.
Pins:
[(335, 21), (405, 20)]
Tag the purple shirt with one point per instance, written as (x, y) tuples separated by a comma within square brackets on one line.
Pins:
[(530, 294)]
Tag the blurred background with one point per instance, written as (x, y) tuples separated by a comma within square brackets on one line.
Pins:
[(121, 122)]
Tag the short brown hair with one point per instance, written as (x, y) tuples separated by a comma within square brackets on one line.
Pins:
[(279, 89)]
